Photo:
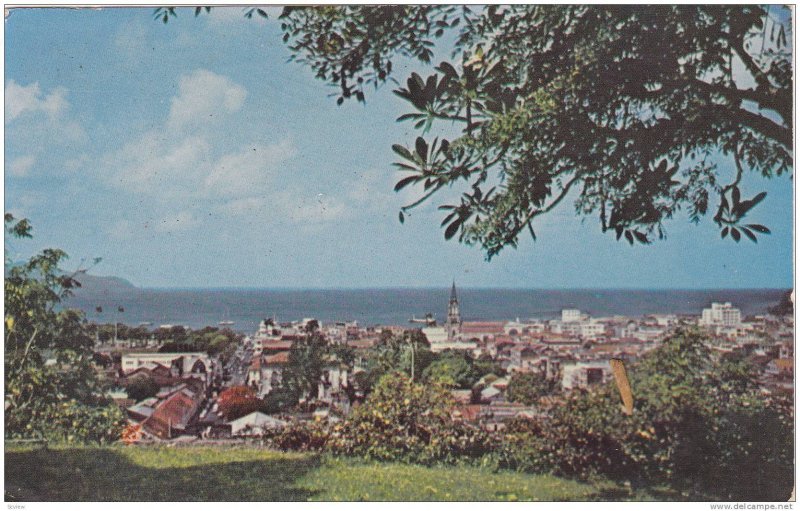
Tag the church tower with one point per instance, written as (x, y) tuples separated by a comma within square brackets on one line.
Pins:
[(453, 316)]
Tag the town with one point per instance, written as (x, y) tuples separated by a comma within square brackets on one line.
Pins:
[(228, 385)]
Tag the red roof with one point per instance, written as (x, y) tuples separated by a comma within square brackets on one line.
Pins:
[(278, 358), (482, 327), (173, 413), (276, 345)]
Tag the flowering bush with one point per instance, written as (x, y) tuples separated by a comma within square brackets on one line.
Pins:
[(300, 436), (405, 421)]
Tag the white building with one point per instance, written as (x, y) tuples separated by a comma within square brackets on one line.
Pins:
[(570, 315), (721, 314), (185, 364), (255, 423), (585, 374)]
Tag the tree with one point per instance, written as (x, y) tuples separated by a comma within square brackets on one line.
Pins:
[(625, 110), (280, 399), (51, 386), (700, 424), (453, 369), (141, 387), (527, 388), (406, 421), (785, 307), (237, 402), (306, 361)]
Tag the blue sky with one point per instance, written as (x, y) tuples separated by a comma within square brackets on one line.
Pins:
[(193, 155)]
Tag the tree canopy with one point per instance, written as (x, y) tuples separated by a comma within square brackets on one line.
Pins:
[(627, 111), (52, 389)]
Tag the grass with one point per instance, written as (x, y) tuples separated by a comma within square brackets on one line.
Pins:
[(233, 473)]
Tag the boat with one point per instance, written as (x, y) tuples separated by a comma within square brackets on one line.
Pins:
[(226, 323), (427, 320)]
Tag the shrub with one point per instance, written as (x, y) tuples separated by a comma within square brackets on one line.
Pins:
[(405, 421), (141, 387), (699, 424), (73, 422), (300, 436)]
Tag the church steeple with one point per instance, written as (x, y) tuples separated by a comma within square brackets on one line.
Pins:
[(453, 315)]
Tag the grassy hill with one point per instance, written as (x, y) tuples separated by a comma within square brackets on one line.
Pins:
[(194, 473)]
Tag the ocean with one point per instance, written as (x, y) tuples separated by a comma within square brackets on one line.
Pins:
[(196, 308)]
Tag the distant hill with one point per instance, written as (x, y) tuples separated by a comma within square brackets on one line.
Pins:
[(98, 284)]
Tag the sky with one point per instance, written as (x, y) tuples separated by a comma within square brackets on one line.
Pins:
[(193, 154)]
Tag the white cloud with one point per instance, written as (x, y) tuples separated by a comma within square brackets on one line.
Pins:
[(21, 99), (20, 167), (201, 96), (237, 174), (158, 166)]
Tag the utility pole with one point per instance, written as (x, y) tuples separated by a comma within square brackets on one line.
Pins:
[(413, 350)]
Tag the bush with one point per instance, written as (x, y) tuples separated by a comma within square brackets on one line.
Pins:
[(404, 421), (72, 422), (699, 424), (300, 436), (141, 387)]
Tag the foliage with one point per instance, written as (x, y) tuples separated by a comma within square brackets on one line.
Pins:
[(698, 423), (141, 387), (527, 388), (51, 387), (279, 399), (625, 109), (785, 307), (453, 369), (209, 339), (405, 421), (393, 353), (235, 402), (306, 363), (300, 436)]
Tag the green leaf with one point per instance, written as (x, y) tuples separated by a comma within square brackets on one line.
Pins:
[(736, 195), (724, 232), (747, 232), (452, 229), (402, 151), (422, 148), (405, 182), (735, 234), (629, 237), (401, 216), (760, 228)]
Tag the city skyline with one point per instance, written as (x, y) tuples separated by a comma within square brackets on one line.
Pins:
[(186, 158)]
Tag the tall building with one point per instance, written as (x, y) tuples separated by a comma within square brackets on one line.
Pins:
[(453, 316), (721, 314)]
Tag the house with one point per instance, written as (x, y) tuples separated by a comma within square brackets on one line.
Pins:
[(272, 367), (585, 374), (255, 423), (181, 365), (173, 416)]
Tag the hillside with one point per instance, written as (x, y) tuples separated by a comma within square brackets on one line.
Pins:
[(194, 473)]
